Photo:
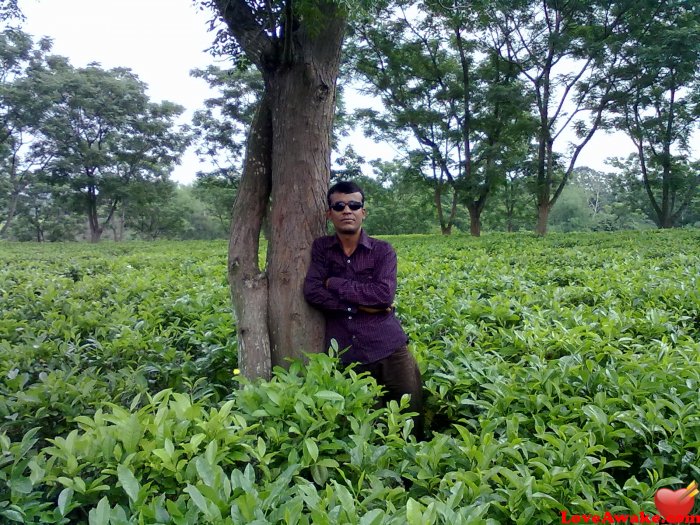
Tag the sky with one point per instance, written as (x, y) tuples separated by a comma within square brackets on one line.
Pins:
[(163, 40)]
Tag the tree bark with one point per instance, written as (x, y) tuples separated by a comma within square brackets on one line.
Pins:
[(93, 220), (474, 219), (303, 106), (300, 68), (12, 208), (248, 283), (542, 218)]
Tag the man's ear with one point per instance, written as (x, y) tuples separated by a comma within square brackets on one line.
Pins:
[(328, 214)]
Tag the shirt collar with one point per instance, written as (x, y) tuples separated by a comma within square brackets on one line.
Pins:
[(365, 240)]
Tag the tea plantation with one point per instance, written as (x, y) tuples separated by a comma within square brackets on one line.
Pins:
[(561, 374)]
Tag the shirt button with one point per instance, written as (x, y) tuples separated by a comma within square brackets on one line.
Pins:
[(353, 337), (349, 309), (349, 316), (348, 261)]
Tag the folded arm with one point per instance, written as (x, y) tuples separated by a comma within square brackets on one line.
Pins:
[(315, 290), (378, 293)]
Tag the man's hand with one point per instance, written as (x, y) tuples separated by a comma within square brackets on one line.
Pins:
[(370, 310)]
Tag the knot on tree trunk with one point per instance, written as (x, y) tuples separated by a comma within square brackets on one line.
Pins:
[(322, 92)]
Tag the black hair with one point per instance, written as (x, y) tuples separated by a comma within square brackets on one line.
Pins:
[(344, 187)]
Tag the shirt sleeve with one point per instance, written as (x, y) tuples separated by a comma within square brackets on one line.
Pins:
[(379, 293), (315, 291)]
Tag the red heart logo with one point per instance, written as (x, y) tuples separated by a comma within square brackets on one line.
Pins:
[(674, 503)]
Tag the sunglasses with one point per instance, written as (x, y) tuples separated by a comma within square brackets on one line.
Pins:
[(340, 205)]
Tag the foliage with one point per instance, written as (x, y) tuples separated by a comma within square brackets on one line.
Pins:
[(566, 53), (560, 374), (153, 211), (512, 206), (196, 211), (571, 211), (106, 134), (449, 101), (9, 10), (398, 201), (658, 104), (22, 111), (630, 191), (45, 213), (220, 127)]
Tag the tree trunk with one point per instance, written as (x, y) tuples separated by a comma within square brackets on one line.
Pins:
[(453, 210), (303, 105), (12, 208), (39, 229), (300, 68), (542, 218), (474, 219), (247, 281), (93, 220), (120, 226), (445, 225), (509, 201)]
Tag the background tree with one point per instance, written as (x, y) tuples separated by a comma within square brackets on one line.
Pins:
[(150, 209), (512, 206), (631, 200), (566, 51), (401, 58), (571, 212), (399, 200), (22, 110), (45, 214), (105, 134), (9, 10), (219, 129), (458, 101), (199, 222), (659, 103), (219, 134), (295, 45), (597, 185)]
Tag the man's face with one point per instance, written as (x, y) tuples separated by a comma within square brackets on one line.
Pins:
[(346, 221)]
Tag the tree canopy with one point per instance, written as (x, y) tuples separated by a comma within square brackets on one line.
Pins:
[(488, 106)]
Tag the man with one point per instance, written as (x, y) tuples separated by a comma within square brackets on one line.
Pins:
[(352, 280)]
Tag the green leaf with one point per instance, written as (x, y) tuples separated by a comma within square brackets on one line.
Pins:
[(346, 499), (414, 515), (329, 395), (373, 517), (596, 414), (212, 449), (100, 514), (197, 498), (311, 448), (21, 485), (206, 473), (13, 514), (129, 483), (64, 499)]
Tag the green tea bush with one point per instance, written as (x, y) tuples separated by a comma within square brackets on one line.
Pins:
[(264, 454), (559, 374)]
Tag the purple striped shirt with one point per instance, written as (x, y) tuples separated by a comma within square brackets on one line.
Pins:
[(365, 278)]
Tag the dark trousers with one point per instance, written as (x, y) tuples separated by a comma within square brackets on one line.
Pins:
[(399, 375)]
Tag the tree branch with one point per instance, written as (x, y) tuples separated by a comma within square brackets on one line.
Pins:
[(249, 34)]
